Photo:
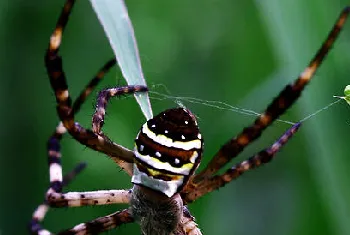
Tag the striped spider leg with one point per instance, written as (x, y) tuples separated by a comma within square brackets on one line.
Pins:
[(203, 182), (42, 209)]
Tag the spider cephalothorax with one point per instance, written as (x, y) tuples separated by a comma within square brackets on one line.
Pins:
[(168, 149)]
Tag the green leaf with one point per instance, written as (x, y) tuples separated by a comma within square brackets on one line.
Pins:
[(116, 23)]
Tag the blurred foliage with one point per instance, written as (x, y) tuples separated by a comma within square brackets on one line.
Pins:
[(239, 52)]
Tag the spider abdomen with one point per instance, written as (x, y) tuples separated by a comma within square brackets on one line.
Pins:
[(167, 151)]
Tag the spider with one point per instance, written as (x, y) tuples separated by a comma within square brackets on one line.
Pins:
[(168, 150)]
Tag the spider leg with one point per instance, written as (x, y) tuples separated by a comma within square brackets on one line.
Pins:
[(43, 208), (102, 101), (53, 143), (77, 199), (188, 224), (64, 108), (278, 106), (54, 154), (126, 166), (101, 224), (92, 85), (95, 226), (72, 199), (237, 170)]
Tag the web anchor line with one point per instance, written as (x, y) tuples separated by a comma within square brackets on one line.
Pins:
[(178, 100)]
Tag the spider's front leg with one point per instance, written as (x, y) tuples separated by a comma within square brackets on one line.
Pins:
[(64, 108)]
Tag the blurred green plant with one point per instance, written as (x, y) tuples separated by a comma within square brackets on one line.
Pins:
[(115, 20)]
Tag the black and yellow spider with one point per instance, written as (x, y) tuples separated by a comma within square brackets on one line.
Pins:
[(168, 150)]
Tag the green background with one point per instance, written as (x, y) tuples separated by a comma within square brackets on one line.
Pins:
[(238, 52)]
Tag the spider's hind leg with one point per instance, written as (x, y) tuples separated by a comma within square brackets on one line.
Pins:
[(278, 106)]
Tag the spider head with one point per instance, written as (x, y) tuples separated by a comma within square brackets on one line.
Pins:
[(167, 151)]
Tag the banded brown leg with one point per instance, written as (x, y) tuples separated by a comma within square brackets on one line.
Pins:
[(101, 224), (64, 108), (127, 167), (54, 155), (278, 106), (191, 193), (42, 209), (92, 85), (75, 199)]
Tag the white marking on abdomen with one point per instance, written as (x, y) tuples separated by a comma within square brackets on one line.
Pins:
[(169, 188), (162, 165), (168, 142)]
